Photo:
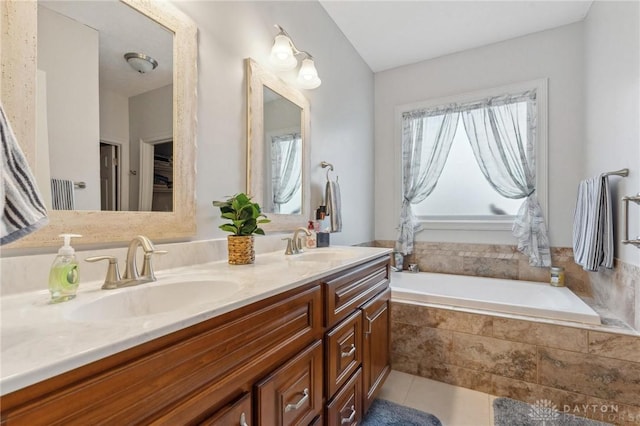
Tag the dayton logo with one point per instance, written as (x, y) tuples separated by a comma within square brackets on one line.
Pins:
[(544, 411)]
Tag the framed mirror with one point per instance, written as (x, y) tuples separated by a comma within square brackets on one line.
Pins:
[(278, 130), (156, 145)]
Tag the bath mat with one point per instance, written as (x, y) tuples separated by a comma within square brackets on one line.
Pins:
[(509, 412), (386, 413)]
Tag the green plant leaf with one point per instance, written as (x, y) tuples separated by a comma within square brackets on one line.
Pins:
[(244, 215)]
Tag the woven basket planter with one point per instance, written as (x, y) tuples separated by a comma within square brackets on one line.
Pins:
[(241, 250)]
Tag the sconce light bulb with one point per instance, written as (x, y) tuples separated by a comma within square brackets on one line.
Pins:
[(308, 75), (282, 55)]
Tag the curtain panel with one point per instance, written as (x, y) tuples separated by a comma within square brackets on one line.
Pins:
[(426, 142), (286, 168), (504, 149)]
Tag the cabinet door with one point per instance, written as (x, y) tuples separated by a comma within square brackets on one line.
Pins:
[(376, 363), (236, 414), (292, 395)]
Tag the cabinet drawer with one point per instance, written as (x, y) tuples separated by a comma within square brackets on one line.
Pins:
[(347, 290), (292, 395), (343, 346), (236, 414), (346, 406)]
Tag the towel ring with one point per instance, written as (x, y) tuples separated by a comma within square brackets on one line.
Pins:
[(324, 165)]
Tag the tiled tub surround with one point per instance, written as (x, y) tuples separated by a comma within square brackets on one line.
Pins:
[(615, 294), (579, 369)]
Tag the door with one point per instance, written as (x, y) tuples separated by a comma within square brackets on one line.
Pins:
[(108, 177), (376, 359)]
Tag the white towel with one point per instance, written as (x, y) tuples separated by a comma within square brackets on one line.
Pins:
[(333, 203), (62, 194), (593, 225), (22, 208)]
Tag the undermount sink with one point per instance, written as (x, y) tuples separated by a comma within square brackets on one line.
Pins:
[(153, 299), (324, 255)]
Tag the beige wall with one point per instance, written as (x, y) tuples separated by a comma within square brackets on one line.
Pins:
[(341, 108), (68, 54), (555, 54), (612, 106)]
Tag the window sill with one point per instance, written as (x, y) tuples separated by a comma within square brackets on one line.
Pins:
[(467, 225)]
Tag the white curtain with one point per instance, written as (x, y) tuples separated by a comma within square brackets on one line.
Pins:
[(505, 154), (286, 164), (426, 142)]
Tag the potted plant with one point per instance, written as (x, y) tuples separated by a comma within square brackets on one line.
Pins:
[(245, 217)]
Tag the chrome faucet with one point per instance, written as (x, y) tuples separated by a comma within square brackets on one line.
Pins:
[(296, 244), (131, 274)]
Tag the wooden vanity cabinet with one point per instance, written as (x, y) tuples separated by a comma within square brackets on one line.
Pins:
[(357, 343), (314, 355), (194, 375)]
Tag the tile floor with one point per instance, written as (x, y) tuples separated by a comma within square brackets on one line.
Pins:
[(453, 405)]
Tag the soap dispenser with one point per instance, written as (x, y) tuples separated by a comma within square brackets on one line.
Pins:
[(64, 275), (311, 238)]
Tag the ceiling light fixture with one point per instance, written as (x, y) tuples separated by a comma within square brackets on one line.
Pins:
[(141, 62), (283, 57)]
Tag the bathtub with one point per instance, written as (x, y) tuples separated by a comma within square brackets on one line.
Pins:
[(492, 294)]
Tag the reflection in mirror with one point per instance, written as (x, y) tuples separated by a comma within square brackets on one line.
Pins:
[(19, 88), (105, 129), (283, 154), (278, 146)]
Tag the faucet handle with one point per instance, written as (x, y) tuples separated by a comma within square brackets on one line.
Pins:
[(147, 264), (289, 249), (113, 273)]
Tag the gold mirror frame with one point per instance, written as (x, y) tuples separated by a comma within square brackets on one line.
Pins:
[(18, 26), (257, 78)]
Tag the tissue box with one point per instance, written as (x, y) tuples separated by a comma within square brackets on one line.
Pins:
[(322, 239)]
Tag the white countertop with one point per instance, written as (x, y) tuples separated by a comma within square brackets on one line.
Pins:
[(41, 340)]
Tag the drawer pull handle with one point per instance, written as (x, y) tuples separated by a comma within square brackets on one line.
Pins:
[(292, 407), (352, 350), (243, 420), (349, 419)]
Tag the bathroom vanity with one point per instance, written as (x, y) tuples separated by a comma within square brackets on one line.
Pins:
[(316, 352)]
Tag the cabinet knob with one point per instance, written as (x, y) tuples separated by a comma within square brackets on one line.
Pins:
[(293, 407)]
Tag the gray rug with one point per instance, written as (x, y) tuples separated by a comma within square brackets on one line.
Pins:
[(509, 412), (386, 413)]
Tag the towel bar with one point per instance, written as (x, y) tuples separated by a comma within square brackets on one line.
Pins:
[(626, 200), (621, 172)]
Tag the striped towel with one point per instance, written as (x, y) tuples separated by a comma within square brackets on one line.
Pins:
[(593, 225), (333, 203), (62, 194), (22, 208)]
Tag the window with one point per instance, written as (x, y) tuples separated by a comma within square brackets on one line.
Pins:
[(462, 196)]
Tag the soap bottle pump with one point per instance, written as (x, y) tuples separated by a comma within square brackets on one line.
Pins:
[(64, 275)]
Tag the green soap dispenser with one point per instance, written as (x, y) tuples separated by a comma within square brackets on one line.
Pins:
[(64, 275)]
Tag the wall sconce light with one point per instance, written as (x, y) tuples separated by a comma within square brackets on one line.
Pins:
[(141, 62), (283, 57)]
